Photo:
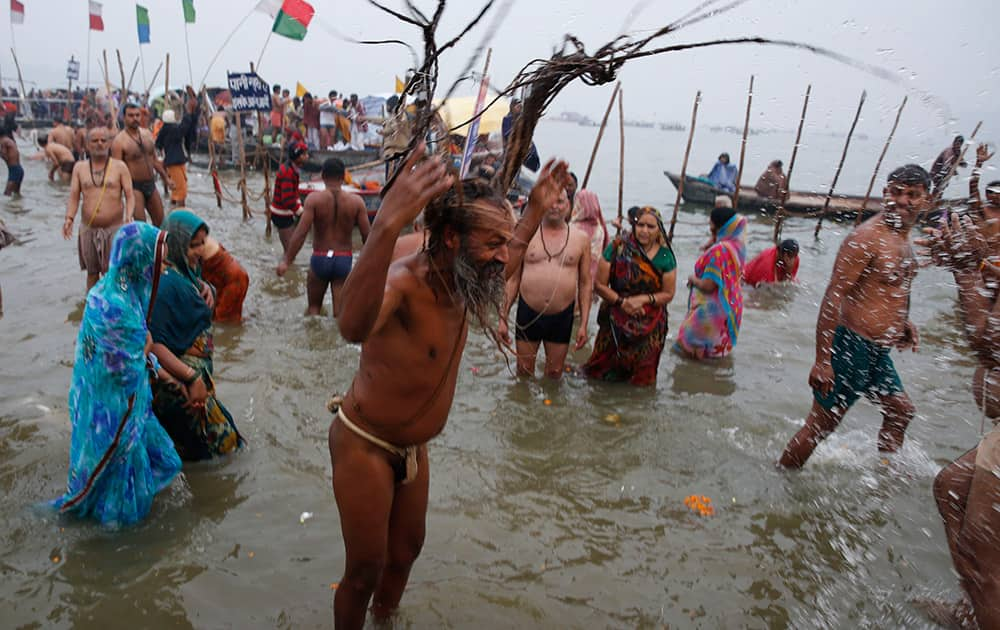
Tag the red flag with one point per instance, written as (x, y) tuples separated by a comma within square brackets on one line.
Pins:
[(16, 12), (96, 21)]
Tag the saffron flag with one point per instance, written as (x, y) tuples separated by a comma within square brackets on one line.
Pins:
[(188, 11), (293, 19), (96, 21), (400, 86), (300, 90), (16, 12), (142, 23)]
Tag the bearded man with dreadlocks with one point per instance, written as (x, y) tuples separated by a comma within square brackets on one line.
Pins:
[(411, 317)]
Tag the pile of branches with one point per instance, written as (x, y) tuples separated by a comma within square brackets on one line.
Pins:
[(541, 80)]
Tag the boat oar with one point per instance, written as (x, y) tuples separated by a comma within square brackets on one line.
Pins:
[(840, 166), (743, 146), (878, 164), (600, 134), (684, 165), (621, 157), (779, 217)]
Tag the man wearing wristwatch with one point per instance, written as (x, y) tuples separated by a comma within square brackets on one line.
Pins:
[(103, 182)]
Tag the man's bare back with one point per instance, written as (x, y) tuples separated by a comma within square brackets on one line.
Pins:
[(60, 160), (336, 214), (9, 152), (63, 135)]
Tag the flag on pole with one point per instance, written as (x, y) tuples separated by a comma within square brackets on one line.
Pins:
[(16, 12), (188, 11), (96, 21), (470, 140), (400, 86), (269, 7), (293, 19), (300, 90), (142, 23)]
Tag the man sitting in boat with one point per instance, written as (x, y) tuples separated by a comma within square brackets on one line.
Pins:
[(771, 184), (723, 174), (774, 264)]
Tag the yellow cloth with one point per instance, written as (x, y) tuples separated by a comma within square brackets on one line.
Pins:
[(300, 90), (400, 86), (459, 109), (218, 128), (178, 175)]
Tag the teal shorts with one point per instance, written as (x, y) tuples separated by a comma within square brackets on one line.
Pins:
[(860, 366)]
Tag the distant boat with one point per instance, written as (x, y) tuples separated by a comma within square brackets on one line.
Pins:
[(800, 204), (314, 163)]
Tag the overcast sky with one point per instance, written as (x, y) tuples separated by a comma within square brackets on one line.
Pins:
[(953, 55)]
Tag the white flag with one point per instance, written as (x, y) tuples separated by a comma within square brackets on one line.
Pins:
[(270, 7)]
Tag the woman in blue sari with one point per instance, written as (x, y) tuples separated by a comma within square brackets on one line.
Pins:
[(120, 456), (181, 325)]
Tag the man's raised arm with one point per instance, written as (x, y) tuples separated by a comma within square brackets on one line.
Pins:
[(418, 182)]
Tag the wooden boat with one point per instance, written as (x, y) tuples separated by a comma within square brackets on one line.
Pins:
[(314, 163), (799, 204)]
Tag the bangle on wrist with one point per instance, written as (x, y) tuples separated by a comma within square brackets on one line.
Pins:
[(194, 377), (652, 300), (620, 300)]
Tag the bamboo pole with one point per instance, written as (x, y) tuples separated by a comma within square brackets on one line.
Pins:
[(107, 87), (243, 167), (121, 69), (840, 166), (20, 80), (166, 83), (149, 86), (267, 168), (684, 165), (743, 146), (131, 76), (621, 157), (780, 215), (600, 134), (939, 191), (878, 164)]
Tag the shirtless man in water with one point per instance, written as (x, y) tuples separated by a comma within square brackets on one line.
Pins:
[(61, 134), (864, 314), (60, 158), (967, 490), (332, 214), (134, 145), (12, 156), (103, 182), (554, 279), (411, 318)]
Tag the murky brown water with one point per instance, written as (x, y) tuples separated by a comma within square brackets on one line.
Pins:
[(540, 516)]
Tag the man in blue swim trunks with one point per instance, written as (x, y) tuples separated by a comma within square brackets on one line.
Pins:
[(332, 214), (864, 314), (10, 155)]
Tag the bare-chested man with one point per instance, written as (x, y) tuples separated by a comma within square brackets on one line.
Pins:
[(967, 491), (135, 146), (411, 319), (59, 156), (333, 215), (62, 134), (79, 142), (104, 182), (12, 157), (864, 314), (555, 278)]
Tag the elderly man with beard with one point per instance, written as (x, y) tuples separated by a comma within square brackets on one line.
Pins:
[(411, 318)]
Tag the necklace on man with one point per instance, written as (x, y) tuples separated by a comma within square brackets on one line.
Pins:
[(104, 174), (545, 247)]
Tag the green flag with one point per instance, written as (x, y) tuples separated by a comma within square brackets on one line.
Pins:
[(293, 19), (188, 11)]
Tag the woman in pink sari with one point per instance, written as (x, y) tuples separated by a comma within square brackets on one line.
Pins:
[(587, 216), (715, 304)]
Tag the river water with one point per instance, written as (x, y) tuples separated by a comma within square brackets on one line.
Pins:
[(541, 515)]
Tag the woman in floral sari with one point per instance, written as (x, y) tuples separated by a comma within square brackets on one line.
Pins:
[(715, 303), (181, 326), (636, 278), (120, 456), (587, 217)]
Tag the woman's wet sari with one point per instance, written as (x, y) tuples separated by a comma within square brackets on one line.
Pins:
[(713, 320), (182, 322), (628, 348), (120, 456)]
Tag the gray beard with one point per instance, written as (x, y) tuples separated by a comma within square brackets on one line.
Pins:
[(482, 288)]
